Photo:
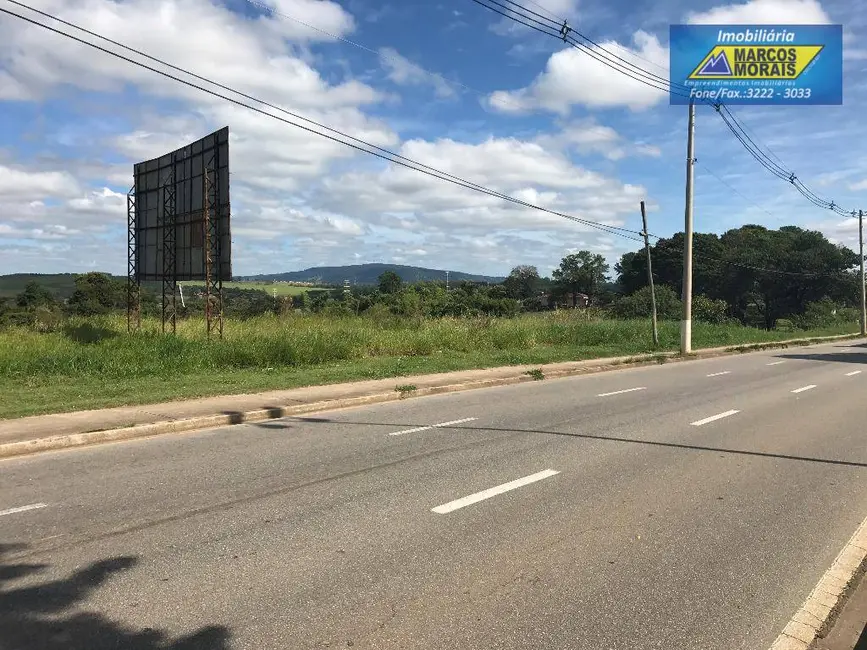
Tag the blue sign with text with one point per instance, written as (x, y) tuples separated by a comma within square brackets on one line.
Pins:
[(756, 64)]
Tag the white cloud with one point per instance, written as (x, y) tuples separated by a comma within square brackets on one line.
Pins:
[(201, 35), (573, 77), (297, 199), (21, 184), (307, 20), (403, 71), (401, 199), (761, 12), (587, 136)]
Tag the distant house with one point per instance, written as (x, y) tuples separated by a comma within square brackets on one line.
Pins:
[(565, 301)]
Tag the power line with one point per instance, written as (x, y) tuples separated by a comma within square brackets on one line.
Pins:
[(561, 20), (740, 131), (773, 164), (378, 53), (734, 189), (361, 145), (372, 149), (562, 33)]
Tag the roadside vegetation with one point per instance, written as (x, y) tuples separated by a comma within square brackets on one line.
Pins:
[(75, 353)]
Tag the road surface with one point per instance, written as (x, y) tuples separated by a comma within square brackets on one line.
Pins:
[(680, 506)]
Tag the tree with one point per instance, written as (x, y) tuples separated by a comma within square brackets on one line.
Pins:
[(34, 295), (763, 275), (667, 260), (581, 272), (389, 282), (803, 267), (97, 293), (522, 283), (639, 305)]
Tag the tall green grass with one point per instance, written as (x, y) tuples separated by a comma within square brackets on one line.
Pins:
[(102, 347), (96, 355)]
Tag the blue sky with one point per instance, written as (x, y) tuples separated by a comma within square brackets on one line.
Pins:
[(446, 83)]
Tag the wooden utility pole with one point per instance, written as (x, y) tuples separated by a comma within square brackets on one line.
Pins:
[(649, 276)]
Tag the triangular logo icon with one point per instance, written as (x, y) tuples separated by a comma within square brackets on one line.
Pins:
[(716, 66)]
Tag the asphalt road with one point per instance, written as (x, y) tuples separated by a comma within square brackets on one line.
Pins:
[(680, 506)]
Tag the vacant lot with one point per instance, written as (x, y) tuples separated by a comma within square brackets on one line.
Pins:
[(280, 289), (94, 363)]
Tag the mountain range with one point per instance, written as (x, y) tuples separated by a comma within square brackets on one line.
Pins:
[(63, 284), (367, 274)]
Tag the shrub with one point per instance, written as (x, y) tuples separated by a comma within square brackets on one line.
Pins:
[(707, 310), (639, 305), (825, 313)]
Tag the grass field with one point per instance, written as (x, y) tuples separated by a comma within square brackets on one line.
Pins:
[(281, 289), (94, 363)]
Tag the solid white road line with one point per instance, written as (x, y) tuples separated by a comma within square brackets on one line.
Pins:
[(713, 418), (451, 506), (32, 506), (854, 372), (620, 392), (717, 374), (776, 363), (432, 426), (803, 388)]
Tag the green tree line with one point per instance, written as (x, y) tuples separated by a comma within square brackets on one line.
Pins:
[(754, 275)]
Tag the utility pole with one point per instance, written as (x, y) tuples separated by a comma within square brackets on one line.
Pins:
[(861, 253), (686, 323), (447, 280), (649, 276)]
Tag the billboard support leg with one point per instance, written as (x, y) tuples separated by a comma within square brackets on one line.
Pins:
[(213, 278), (170, 281), (133, 286)]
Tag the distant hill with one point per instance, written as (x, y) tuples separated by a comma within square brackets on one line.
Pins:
[(62, 284), (367, 274)]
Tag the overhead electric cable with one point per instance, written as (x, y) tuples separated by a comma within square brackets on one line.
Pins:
[(362, 145), (373, 149), (772, 163)]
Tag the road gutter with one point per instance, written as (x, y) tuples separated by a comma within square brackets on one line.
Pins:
[(814, 618)]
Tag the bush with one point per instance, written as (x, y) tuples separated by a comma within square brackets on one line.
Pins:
[(639, 305), (825, 313), (707, 310)]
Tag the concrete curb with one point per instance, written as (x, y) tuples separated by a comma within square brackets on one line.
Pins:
[(522, 374), (815, 616)]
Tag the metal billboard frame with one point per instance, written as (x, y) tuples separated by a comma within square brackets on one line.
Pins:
[(178, 217)]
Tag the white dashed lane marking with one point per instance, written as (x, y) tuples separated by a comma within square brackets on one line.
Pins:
[(431, 426), (713, 418), (803, 388), (620, 392), (32, 506), (717, 374), (457, 504)]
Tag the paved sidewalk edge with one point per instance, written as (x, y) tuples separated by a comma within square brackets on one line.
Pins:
[(813, 620), (522, 374)]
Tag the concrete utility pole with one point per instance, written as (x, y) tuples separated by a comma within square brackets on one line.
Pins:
[(686, 323), (861, 253), (649, 276)]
